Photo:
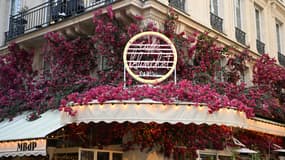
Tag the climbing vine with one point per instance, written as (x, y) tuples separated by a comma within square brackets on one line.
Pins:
[(87, 68)]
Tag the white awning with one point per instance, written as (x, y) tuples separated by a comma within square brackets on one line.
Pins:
[(20, 148), (150, 111), (31, 134)]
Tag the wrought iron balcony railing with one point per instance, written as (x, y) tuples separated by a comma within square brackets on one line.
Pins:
[(240, 35), (49, 13), (260, 46), (178, 4), (216, 22), (281, 59)]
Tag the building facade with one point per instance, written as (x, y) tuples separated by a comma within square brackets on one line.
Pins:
[(256, 26), (240, 23)]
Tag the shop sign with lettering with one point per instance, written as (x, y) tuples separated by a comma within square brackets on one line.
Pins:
[(26, 146), (150, 57), (23, 147)]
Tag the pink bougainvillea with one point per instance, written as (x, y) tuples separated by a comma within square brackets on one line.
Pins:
[(269, 78), (16, 76), (71, 67), (91, 68), (184, 91)]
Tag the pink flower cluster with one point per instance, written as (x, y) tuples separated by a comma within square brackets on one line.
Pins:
[(72, 73), (183, 91)]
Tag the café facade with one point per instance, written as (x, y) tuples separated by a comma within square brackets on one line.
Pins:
[(44, 138), (58, 135)]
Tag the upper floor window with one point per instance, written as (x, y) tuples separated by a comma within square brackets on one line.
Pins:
[(279, 36), (215, 15), (258, 22), (215, 7), (281, 59), (15, 6), (239, 33), (260, 46), (238, 14), (178, 4)]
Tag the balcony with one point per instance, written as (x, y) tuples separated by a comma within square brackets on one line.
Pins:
[(240, 35), (178, 4), (49, 13), (260, 46), (281, 59), (216, 22)]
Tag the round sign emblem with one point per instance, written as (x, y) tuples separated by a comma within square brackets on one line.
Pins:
[(150, 57)]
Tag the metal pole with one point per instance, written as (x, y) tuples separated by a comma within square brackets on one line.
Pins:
[(269, 151), (125, 77), (175, 79)]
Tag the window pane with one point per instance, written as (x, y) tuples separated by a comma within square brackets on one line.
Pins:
[(87, 155), (207, 157), (278, 37), (257, 19), (179, 4), (238, 13), (225, 158), (103, 156), (215, 7), (16, 6), (117, 156), (66, 156)]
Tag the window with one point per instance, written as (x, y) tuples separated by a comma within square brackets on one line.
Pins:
[(278, 36), (215, 15), (104, 64), (239, 33), (17, 22), (215, 7), (90, 154), (258, 23), (258, 27), (86, 155), (219, 75), (208, 157), (238, 14), (15, 7), (210, 154), (178, 155), (97, 3), (225, 158), (178, 4)]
